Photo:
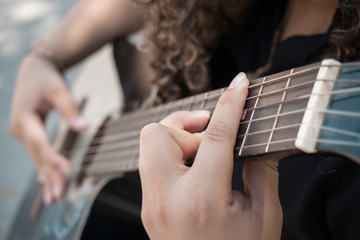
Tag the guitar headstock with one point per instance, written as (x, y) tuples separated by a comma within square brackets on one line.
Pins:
[(338, 128)]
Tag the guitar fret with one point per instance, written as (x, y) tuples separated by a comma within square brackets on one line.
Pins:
[(134, 159), (282, 128), (204, 101), (251, 117), (279, 111), (283, 106), (191, 103)]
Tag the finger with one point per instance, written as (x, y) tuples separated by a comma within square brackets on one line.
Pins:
[(38, 145), (46, 192), (59, 97), (54, 183), (45, 157), (57, 160), (194, 121), (163, 150), (261, 180), (215, 155), (57, 183)]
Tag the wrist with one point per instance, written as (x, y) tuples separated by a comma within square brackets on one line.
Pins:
[(43, 50)]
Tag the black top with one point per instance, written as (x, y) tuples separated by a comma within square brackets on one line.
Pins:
[(319, 193)]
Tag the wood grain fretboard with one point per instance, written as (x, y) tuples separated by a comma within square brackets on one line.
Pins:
[(271, 120)]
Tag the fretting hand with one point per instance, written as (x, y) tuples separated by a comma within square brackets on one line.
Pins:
[(197, 202)]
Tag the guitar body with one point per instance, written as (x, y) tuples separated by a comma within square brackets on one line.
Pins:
[(87, 199), (64, 220)]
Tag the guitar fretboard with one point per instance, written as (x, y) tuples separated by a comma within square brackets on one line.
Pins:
[(271, 120)]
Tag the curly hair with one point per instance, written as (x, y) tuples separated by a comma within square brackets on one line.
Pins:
[(182, 35), (344, 38)]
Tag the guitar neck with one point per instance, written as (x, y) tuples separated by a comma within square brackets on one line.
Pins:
[(271, 121)]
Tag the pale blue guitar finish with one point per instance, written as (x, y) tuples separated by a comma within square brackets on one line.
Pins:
[(341, 131)]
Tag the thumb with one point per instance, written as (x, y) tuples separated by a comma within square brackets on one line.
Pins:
[(261, 180), (60, 98)]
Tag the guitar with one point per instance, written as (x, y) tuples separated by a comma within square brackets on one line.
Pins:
[(314, 108)]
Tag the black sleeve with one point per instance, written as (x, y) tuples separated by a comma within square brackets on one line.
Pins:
[(320, 196)]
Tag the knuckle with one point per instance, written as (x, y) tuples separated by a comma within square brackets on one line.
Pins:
[(177, 114), (150, 130), (218, 132), (174, 118)]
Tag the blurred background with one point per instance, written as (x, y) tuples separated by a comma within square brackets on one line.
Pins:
[(21, 22)]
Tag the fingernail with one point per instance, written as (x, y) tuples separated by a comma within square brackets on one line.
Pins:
[(237, 80), (202, 112), (79, 122)]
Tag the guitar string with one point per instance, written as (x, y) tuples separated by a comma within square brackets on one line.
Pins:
[(329, 129), (346, 143), (119, 145), (207, 108), (115, 158), (292, 86), (119, 135), (103, 155), (138, 130), (328, 141), (292, 74), (279, 78), (155, 108), (333, 112), (99, 167), (285, 76), (137, 124), (215, 97), (340, 113), (270, 81), (355, 143), (245, 110)]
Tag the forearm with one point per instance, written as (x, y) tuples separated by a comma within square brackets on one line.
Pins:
[(90, 25)]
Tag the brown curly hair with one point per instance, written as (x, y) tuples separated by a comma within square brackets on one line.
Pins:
[(344, 38), (183, 33)]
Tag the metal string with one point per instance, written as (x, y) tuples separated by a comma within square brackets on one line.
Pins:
[(136, 133), (114, 163), (338, 131), (341, 91)]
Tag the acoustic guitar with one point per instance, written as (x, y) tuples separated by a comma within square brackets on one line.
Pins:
[(315, 108)]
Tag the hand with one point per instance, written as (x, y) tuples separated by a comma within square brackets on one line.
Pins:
[(39, 88), (197, 202)]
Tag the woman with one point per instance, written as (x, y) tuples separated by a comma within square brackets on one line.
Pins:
[(269, 38), (194, 41)]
